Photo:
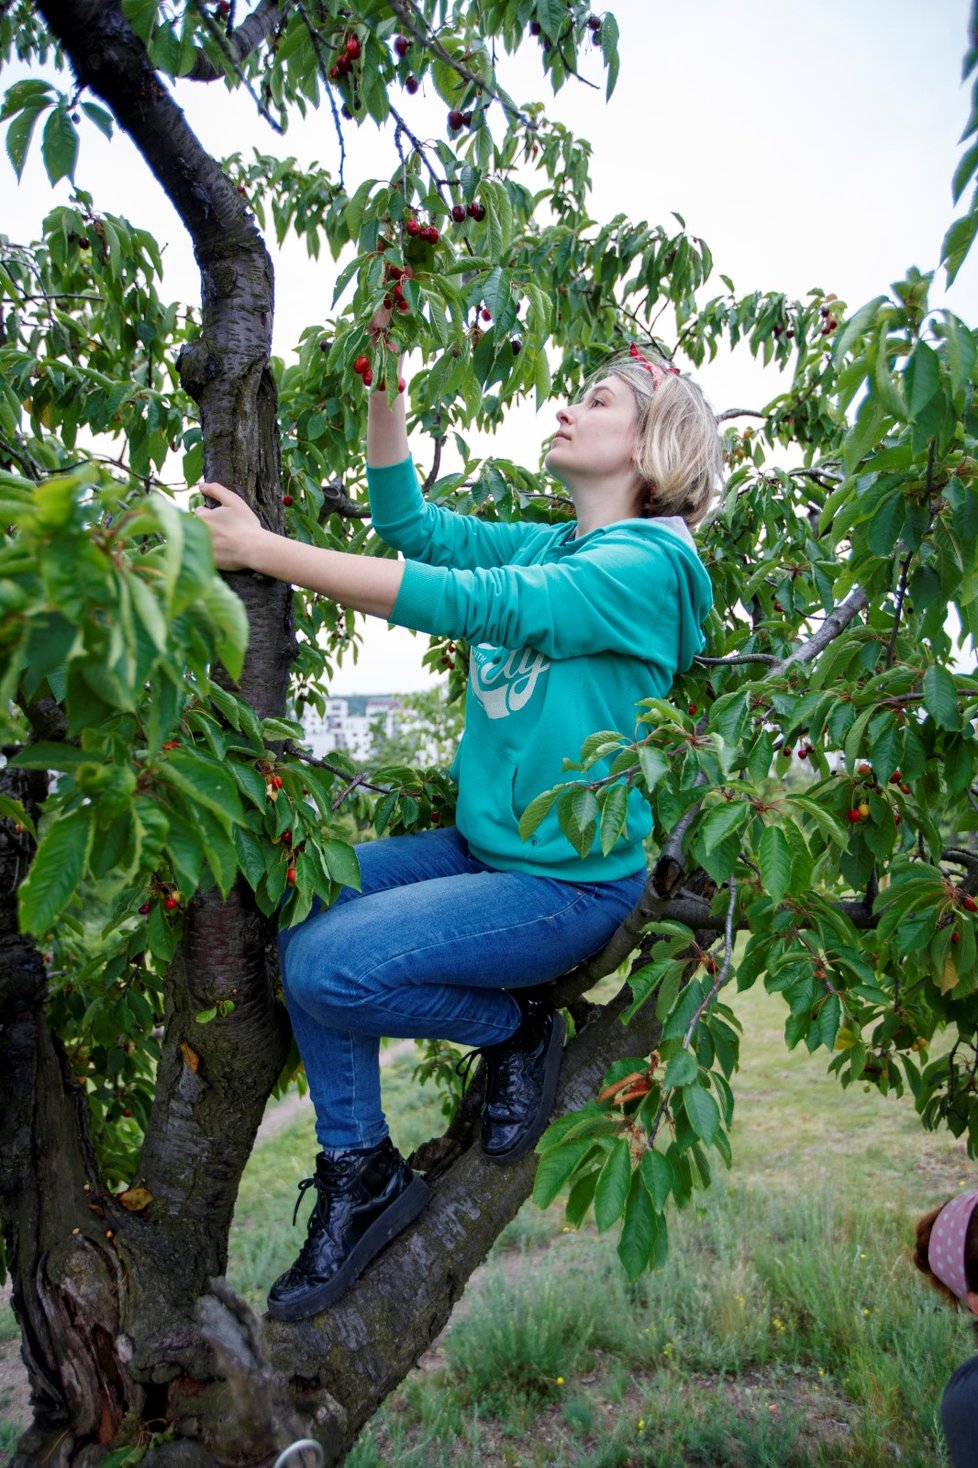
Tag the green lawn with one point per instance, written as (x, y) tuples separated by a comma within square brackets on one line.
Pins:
[(789, 1327)]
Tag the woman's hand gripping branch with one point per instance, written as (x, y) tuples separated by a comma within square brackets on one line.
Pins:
[(241, 543)]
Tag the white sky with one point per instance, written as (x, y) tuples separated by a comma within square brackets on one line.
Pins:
[(810, 144)]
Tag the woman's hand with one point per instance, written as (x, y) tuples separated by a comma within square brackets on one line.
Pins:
[(234, 528), (380, 320)]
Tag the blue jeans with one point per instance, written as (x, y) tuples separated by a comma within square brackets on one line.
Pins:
[(428, 948)]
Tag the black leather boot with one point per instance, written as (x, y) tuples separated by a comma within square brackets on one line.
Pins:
[(363, 1200), (521, 1081)]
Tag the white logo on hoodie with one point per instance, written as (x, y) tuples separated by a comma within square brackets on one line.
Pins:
[(504, 684)]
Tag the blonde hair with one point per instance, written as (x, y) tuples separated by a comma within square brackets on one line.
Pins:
[(680, 453)]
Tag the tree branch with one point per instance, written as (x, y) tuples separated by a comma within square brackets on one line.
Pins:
[(413, 22), (240, 43)]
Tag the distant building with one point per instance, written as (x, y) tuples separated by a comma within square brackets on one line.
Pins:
[(350, 723)]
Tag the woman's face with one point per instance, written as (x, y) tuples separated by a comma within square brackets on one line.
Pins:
[(597, 438)]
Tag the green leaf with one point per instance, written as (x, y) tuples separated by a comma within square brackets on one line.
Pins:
[(653, 764), (613, 1184), (681, 1069), (56, 871), (702, 1110), (342, 863), (555, 1167), (640, 1230), (45, 756), (59, 145), (922, 379), (856, 327), (13, 810), (774, 856), (19, 135), (103, 120), (535, 812), (613, 814), (964, 172), (656, 1173), (722, 821), (957, 243), (941, 698), (202, 780), (961, 354)]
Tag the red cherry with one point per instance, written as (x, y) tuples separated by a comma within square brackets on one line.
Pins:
[(855, 817), (171, 903), (694, 708), (535, 27), (401, 384), (411, 85), (896, 777), (287, 500), (412, 226), (277, 782), (343, 63), (955, 937), (904, 787), (334, 73), (594, 23), (361, 364), (368, 377), (402, 45), (969, 904), (486, 314), (286, 838), (477, 211), (145, 908), (353, 48), (864, 769), (290, 876), (458, 213), (516, 345), (803, 754), (456, 119), (402, 305), (787, 750), (172, 744)]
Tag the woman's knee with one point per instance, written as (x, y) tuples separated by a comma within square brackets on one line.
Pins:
[(318, 969)]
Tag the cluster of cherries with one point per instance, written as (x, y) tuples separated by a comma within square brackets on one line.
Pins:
[(350, 53), (426, 232), (361, 366), (861, 812)]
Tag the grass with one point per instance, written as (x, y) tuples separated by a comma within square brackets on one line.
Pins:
[(788, 1328)]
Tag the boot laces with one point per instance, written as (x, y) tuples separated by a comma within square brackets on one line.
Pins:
[(466, 1063), (307, 1182)]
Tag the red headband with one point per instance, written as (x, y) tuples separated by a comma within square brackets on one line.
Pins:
[(656, 372)]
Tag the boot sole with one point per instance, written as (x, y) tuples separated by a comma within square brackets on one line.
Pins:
[(555, 1057), (404, 1209)]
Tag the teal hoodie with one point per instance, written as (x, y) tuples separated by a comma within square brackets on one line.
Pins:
[(566, 635)]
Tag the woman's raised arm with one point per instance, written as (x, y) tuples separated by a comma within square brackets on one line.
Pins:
[(387, 440)]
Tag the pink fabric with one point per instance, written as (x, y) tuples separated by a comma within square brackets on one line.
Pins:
[(656, 372), (945, 1252)]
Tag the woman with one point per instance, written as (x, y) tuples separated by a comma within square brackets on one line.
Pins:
[(947, 1253), (569, 626)]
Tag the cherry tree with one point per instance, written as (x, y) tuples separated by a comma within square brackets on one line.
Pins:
[(813, 777)]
